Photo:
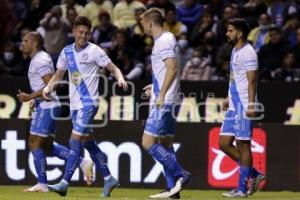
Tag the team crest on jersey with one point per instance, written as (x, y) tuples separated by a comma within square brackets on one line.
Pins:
[(76, 77), (85, 56)]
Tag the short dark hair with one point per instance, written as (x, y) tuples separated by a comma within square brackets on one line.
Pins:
[(275, 28), (241, 25), (155, 15), (37, 37), (83, 21), (120, 31), (104, 14)]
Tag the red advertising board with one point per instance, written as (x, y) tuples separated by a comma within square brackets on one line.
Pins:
[(222, 170)]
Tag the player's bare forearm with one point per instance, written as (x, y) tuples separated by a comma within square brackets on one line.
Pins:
[(170, 76), (58, 76), (114, 70), (117, 74), (252, 80), (36, 94)]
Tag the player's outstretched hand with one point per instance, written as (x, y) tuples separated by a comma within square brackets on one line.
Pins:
[(147, 90), (47, 93), (23, 97), (225, 104), (123, 84)]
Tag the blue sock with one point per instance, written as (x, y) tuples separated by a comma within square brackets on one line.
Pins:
[(61, 152), (73, 160), (168, 175), (245, 173), (40, 164), (98, 157), (254, 173), (166, 159)]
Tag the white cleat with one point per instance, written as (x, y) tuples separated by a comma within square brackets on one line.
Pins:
[(180, 183), (163, 195), (234, 194), (37, 188), (87, 166)]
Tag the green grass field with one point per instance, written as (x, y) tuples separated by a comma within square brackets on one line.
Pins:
[(91, 193)]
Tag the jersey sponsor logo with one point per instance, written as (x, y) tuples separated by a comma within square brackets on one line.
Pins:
[(222, 170)]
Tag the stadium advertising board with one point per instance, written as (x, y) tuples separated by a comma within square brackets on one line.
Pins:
[(276, 152)]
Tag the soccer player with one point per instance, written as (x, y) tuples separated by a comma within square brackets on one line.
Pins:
[(160, 126), (240, 106), (42, 129), (83, 61)]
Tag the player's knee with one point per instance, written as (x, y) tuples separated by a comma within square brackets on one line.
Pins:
[(146, 145), (166, 141), (223, 145), (148, 141), (32, 143)]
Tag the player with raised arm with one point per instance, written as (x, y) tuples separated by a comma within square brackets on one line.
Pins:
[(240, 106), (42, 129), (83, 60), (160, 126)]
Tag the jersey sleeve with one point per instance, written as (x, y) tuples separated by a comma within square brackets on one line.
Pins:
[(167, 48), (101, 58), (62, 62), (44, 68), (250, 61)]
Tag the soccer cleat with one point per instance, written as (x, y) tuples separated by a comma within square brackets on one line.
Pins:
[(234, 194), (109, 185), (162, 195), (86, 167), (255, 183), (60, 188), (180, 183), (175, 196), (37, 188), (165, 194)]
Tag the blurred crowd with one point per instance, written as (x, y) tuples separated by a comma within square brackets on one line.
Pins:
[(199, 26)]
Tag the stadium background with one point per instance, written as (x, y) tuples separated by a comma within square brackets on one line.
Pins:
[(277, 133)]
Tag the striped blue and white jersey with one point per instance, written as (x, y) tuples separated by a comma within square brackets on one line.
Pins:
[(164, 47), (83, 68), (40, 65), (242, 60)]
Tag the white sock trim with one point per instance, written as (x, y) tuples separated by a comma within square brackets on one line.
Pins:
[(65, 182), (107, 177)]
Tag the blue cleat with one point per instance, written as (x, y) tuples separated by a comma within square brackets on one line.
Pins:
[(180, 183), (60, 188), (109, 185)]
